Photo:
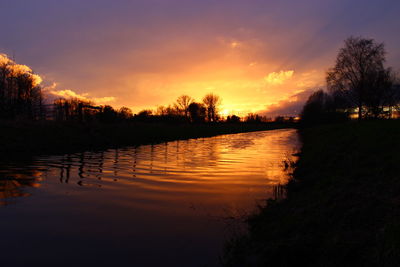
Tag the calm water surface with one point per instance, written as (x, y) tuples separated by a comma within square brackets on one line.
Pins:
[(153, 205)]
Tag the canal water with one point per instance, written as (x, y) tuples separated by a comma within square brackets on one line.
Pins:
[(169, 204)]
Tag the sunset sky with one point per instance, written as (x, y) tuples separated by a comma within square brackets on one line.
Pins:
[(258, 55)]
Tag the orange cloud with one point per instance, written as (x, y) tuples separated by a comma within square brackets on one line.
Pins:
[(84, 97), (19, 69), (277, 78), (69, 94), (103, 100)]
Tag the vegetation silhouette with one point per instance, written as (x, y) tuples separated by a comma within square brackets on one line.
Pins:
[(211, 103), (233, 119), (360, 82), (360, 77), (20, 95), (341, 204), (182, 104), (340, 207), (322, 107)]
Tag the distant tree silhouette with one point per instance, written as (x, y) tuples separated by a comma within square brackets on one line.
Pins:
[(144, 115), (395, 104), (182, 104), (20, 93), (321, 108), (125, 113), (314, 110), (168, 111), (381, 93), (211, 102), (107, 114), (253, 118), (280, 119), (162, 111), (233, 119), (197, 112), (360, 77), (74, 110)]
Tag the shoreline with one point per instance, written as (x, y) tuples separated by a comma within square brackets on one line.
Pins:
[(342, 205)]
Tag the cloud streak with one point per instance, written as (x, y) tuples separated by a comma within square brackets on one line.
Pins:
[(69, 94), (278, 78)]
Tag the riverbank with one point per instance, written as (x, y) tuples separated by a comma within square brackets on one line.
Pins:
[(342, 207), (49, 137)]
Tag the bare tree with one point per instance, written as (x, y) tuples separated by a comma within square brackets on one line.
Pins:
[(212, 102), (359, 73), (182, 104)]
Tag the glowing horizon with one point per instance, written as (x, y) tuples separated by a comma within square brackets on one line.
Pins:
[(258, 56)]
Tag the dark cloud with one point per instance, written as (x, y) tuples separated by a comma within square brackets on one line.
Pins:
[(291, 106)]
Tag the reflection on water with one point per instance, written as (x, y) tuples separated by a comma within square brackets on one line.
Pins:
[(146, 205), (13, 181)]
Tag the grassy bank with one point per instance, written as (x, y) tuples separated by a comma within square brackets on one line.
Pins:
[(343, 204), (30, 138)]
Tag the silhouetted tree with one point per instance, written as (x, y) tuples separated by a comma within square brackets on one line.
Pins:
[(381, 93), (182, 104), (173, 110), (75, 110), (107, 114), (280, 119), (125, 113), (197, 112), (211, 103), (360, 76), (20, 93), (252, 118), (396, 97), (145, 113), (161, 111), (233, 119), (314, 110), (320, 108)]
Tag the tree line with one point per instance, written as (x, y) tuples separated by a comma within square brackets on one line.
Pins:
[(185, 109), (20, 93), (359, 84), (22, 98)]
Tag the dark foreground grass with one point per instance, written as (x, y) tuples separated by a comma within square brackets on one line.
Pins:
[(343, 204), (49, 137)]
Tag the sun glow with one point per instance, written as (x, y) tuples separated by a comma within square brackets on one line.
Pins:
[(224, 112)]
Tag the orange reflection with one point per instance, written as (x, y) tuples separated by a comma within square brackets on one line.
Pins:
[(224, 171), (12, 184)]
